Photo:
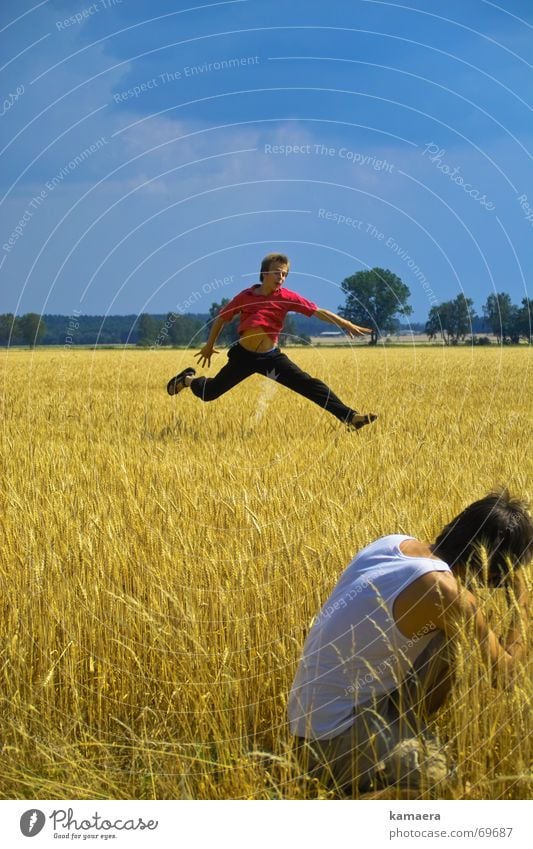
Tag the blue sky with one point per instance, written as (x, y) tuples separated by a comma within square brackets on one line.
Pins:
[(153, 152)]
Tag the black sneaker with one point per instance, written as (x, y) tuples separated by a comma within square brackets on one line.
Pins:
[(359, 420), (178, 383)]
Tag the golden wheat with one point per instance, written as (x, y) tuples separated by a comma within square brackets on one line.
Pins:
[(162, 559)]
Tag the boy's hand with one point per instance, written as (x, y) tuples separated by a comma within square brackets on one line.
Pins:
[(355, 330), (205, 354)]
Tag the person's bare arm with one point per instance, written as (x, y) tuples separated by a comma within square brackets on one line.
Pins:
[(519, 600), (347, 326), (453, 610), (205, 354)]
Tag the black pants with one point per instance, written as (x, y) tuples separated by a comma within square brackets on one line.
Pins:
[(275, 365)]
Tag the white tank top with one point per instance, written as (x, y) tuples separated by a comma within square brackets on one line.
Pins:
[(354, 651)]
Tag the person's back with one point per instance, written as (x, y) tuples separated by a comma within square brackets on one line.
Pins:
[(379, 661), (354, 652)]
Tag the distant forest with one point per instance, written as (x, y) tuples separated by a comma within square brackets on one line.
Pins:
[(143, 330), (155, 330), (376, 298), (102, 330)]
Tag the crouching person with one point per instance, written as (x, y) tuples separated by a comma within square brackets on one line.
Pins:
[(378, 662)]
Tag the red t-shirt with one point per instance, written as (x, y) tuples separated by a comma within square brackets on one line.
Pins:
[(266, 312)]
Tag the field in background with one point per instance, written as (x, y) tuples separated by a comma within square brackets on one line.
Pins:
[(162, 559)]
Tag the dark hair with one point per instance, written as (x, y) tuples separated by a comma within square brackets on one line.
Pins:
[(267, 261), (497, 523)]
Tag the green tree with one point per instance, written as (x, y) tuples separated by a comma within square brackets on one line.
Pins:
[(524, 319), (462, 316), (148, 330), (8, 328), (502, 317), (183, 330), (31, 328), (452, 319), (440, 320), (374, 299)]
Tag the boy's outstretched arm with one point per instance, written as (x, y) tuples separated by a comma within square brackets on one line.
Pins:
[(205, 354), (344, 324)]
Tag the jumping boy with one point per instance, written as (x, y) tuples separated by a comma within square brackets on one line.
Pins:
[(262, 310)]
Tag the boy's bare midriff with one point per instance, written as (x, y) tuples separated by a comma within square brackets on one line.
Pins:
[(256, 341)]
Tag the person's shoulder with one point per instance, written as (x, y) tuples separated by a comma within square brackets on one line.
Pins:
[(447, 601), (442, 583), (244, 293), (387, 544), (432, 592), (412, 547), (291, 295)]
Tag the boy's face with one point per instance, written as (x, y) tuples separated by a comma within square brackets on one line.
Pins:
[(274, 278)]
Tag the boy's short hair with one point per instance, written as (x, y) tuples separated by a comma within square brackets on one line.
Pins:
[(499, 524), (267, 261)]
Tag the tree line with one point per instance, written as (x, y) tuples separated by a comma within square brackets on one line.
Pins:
[(32, 329), (143, 330), (452, 320), (376, 298)]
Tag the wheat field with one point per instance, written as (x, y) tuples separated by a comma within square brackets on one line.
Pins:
[(162, 560)]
